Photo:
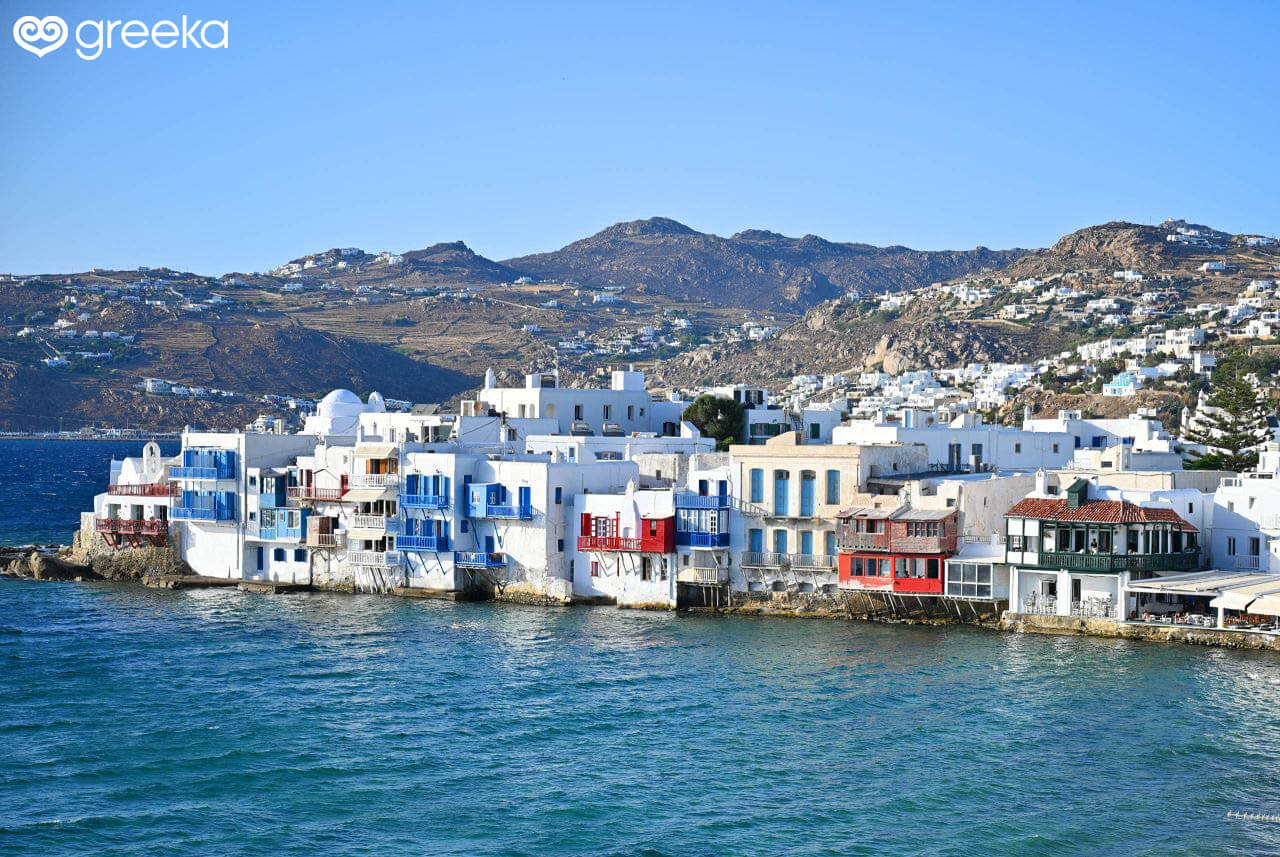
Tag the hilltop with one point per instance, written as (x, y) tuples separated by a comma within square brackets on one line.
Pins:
[(754, 268)]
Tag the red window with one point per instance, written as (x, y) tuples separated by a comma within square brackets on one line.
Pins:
[(595, 569)]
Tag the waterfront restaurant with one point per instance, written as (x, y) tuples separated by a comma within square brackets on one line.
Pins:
[(1228, 601), (1073, 556)]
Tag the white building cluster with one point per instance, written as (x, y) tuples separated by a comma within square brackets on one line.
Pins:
[(561, 494)]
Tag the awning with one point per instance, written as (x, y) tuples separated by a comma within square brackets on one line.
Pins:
[(1244, 597), (375, 450), (367, 495), (1199, 583), (1267, 605)]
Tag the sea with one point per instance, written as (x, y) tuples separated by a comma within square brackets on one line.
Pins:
[(211, 722)]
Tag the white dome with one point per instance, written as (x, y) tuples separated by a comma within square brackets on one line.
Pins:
[(376, 404), (340, 403)]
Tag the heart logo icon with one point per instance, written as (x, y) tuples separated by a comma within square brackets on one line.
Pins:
[(29, 29)]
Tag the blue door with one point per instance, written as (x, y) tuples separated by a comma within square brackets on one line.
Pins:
[(755, 541), (807, 481), (806, 543), (526, 497), (488, 544), (781, 492), (780, 541)]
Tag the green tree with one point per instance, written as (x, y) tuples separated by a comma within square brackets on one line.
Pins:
[(716, 417), (1233, 432)]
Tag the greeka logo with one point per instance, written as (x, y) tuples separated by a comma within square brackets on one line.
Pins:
[(44, 35), (29, 28)]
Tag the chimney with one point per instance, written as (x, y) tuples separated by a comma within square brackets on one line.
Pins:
[(1042, 483)]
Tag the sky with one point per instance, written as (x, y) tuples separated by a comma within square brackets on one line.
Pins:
[(519, 127)]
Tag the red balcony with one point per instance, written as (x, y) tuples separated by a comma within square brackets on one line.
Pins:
[(909, 575), (133, 527), (607, 543), (163, 489)]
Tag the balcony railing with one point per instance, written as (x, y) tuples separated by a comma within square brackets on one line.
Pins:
[(279, 533), (311, 492), (381, 523), (607, 543), (132, 527), (424, 501), (702, 540), (423, 544), (824, 562), (195, 473), (479, 559), (383, 559), (703, 576), (1248, 562), (686, 500), (490, 510), (374, 480), (862, 541), (162, 489), (326, 540), (765, 559), (1106, 563), (201, 513)]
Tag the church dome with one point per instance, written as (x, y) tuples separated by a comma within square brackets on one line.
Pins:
[(340, 403)]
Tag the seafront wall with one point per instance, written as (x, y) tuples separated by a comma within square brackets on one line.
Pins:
[(91, 558), (1032, 623)]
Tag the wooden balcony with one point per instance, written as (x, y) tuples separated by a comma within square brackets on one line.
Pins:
[(326, 540), (161, 489), (374, 480), (311, 492), (607, 543), (378, 523), (133, 527), (1106, 563), (380, 559)]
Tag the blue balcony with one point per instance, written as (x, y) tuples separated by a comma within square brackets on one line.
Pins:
[(275, 524), (424, 501), (492, 500), (199, 463), (495, 510), (686, 500), (423, 544), (479, 559), (205, 506), (193, 473), (702, 540)]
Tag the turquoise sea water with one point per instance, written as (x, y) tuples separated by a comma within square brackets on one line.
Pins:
[(138, 722), (213, 722), (45, 484)]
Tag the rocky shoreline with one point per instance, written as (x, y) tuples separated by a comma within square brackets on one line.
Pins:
[(161, 567)]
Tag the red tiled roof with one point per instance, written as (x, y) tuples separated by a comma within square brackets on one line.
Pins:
[(1096, 512)]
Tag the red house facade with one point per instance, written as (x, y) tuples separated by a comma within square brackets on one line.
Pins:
[(901, 550), (604, 533)]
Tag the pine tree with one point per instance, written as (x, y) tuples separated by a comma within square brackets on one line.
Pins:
[(1236, 427), (717, 417)]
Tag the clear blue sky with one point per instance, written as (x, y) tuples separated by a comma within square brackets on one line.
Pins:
[(519, 127)]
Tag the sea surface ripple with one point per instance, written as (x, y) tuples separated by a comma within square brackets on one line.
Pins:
[(217, 722)]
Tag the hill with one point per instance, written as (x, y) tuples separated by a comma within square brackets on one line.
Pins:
[(754, 268)]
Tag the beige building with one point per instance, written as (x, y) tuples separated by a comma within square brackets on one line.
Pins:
[(789, 495)]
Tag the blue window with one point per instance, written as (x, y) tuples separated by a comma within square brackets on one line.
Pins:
[(462, 525), (299, 555), (807, 480), (757, 485), (277, 555), (780, 541), (755, 541), (559, 494), (833, 487), (830, 545), (259, 559), (781, 492), (806, 542)]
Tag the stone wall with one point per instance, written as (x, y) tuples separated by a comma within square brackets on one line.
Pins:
[(1032, 623)]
